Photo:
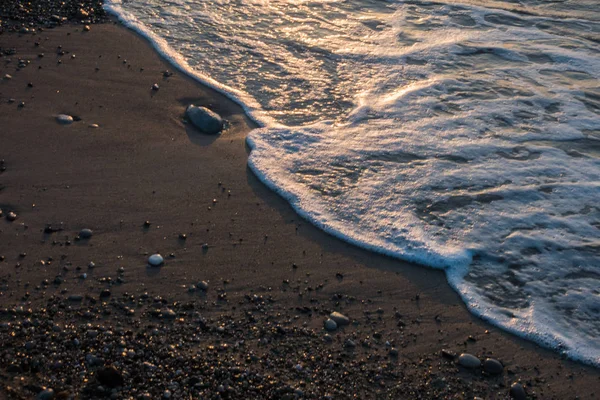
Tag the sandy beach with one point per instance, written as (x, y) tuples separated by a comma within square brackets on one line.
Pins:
[(257, 331)]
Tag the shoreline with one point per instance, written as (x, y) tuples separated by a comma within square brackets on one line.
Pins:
[(139, 166)]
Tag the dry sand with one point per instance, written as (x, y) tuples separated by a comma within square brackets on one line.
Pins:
[(144, 163)]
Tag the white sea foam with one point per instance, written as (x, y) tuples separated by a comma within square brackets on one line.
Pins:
[(458, 136)]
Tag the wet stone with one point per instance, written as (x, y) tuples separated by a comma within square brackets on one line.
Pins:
[(156, 260), (64, 119), (469, 361), (46, 394), (492, 366), (330, 325), (204, 119), (517, 391), (339, 318), (85, 233), (11, 216)]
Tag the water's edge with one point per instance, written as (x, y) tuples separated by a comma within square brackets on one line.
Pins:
[(257, 115)]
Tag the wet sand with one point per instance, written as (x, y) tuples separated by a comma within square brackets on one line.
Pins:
[(143, 163)]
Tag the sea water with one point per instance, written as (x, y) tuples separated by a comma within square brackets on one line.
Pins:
[(459, 134)]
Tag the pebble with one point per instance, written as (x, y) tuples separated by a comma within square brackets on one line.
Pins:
[(492, 366), (204, 119), (7, 77), (168, 313), (64, 119), (11, 216), (75, 297), (93, 126), (156, 260), (339, 318), (85, 233), (155, 87), (330, 325), (203, 285), (393, 352), (86, 28), (469, 361), (110, 377), (46, 394), (517, 391)]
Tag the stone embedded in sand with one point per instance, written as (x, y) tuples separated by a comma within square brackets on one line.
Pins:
[(492, 366), (94, 126), (517, 391), (7, 77), (156, 260), (11, 216), (204, 119), (64, 119), (469, 361), (86, 28), (203, 285), (330, 325), (85, 233), (155, 87), (339, 318)]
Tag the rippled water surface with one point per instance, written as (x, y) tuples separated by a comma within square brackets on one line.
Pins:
[(462, 135)]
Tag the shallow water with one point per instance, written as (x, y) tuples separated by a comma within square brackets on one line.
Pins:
[(462, 135)]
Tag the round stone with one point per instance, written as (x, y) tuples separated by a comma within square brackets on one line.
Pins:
[(339, 318), (469, 361), (204, 119), (330, 325), (493, 367), (46, 394), (64, 119), (11, 216), (85, 233), (203, 285), (517, 391), (156, 260)]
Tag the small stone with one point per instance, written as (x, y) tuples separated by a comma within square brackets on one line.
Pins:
[(517, 391), (105, 293), (330, 325), (167, 394), (64, 119), (45, 394), (75, 297), (339, 318), (168, 313), (469, 361), (110, 377), (11, 216), (85, 233), (393, 352), (493, 367), (86, 28), (204, 119), (203, 285), (7, 77), (155, 87), (94, 126), (156, 260)]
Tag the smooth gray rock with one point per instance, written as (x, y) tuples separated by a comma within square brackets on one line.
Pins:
[(156, 260), (339, 318), (204, 119), (85, 233), (64, 119), (469, 361), (493, 367), (330, 325)]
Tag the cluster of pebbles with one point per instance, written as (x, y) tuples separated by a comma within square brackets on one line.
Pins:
[(28, 15), (147, 347)]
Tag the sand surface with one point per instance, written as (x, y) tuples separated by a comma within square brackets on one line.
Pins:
[(143, 163)]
